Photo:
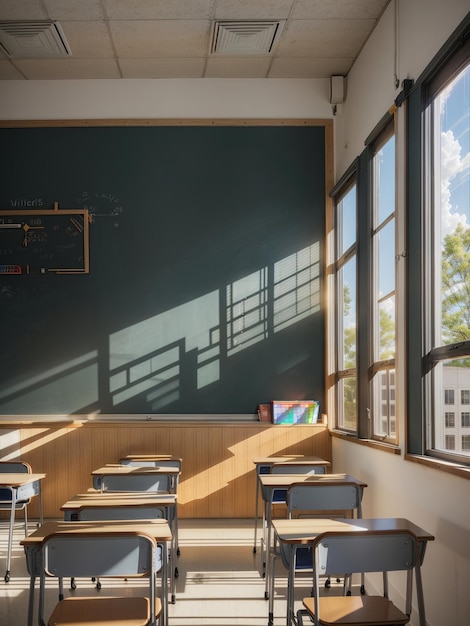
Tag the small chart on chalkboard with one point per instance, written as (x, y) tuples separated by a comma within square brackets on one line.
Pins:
[(44, 241)]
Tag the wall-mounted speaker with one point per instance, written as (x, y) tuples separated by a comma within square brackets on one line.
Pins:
[(337, 89)]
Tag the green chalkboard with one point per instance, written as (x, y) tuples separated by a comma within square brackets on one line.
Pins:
[(202, 294)]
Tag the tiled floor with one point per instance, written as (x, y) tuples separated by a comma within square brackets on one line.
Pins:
[(219, 582)]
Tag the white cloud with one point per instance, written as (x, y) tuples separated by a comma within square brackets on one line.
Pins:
[(451, 164)]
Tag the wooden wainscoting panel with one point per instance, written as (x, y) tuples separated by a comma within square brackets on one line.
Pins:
[(218, 477)]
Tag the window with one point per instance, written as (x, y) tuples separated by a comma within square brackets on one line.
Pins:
[(446, 276), (449, 396), (346, 307), (382, 246), (465, 419), (450, 420)]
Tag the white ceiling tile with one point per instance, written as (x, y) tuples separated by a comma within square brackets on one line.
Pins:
[(22, 10), (162, 68), (218, 67), (338, 9), (158, 9), (152, 38), (88, 39), (249, 10), (81, 10), (320, 38), (68, 69)]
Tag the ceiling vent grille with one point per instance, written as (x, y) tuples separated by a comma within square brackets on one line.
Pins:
[(33, 39), (238, 38)]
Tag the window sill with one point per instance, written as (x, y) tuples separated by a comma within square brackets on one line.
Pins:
[(438, 464), (369, 443)]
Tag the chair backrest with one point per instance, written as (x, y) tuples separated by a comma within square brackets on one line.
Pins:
[(99, 555), (365, 551), (157, 483), (297, 468), (315, 498), (362, 551), (12, 467), (98, 513), (15, 467)]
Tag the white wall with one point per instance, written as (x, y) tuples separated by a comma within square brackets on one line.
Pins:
[(437, 501), (166, 98)]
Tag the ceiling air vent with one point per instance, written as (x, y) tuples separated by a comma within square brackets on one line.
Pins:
[(237, 38), (32, 39)]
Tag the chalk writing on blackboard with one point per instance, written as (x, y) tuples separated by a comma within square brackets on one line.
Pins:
[(39, 241), (101, 205)]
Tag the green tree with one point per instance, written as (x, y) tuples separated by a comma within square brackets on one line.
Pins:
[(456, 286)]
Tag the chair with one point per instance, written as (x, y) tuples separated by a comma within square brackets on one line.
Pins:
[(14, 467), (97, 513), (173, 462), (279, 495), (364, 552), (312, 500), (101, 554)]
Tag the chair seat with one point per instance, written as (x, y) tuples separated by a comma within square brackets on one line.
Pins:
[(355, 610), (108, 611)]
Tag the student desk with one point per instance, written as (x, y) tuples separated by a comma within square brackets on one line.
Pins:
[(270, 482), (21, 487), (301, 531), (143, 505), (159, 530), (263, 466), (131, 474)]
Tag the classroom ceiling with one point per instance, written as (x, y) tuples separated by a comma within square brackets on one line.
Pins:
[(112, 39)]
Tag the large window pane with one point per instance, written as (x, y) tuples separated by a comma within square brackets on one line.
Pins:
[(347, 313), (383, 333), (449, 303), (345, 303), (346, 220)]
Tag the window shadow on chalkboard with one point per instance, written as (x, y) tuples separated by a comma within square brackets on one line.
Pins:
[(147, 362), (263, 302)]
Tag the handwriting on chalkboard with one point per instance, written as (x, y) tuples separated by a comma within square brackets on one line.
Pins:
[(39, 241)]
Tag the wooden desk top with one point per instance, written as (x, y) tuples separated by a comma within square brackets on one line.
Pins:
[(285, 480), (304, 530), (124, 470), (158, 529), (297, 460), (13, 479), (152, 457), (117, 499)]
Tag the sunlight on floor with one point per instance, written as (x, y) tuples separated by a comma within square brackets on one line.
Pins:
[(219, 582)]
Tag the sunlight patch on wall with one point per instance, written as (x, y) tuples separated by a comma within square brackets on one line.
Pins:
[(150, 355), (296, 287), (247, 311)]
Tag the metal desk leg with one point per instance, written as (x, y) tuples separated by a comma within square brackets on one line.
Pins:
[(256, 512), (269, 516), (10, 533)]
